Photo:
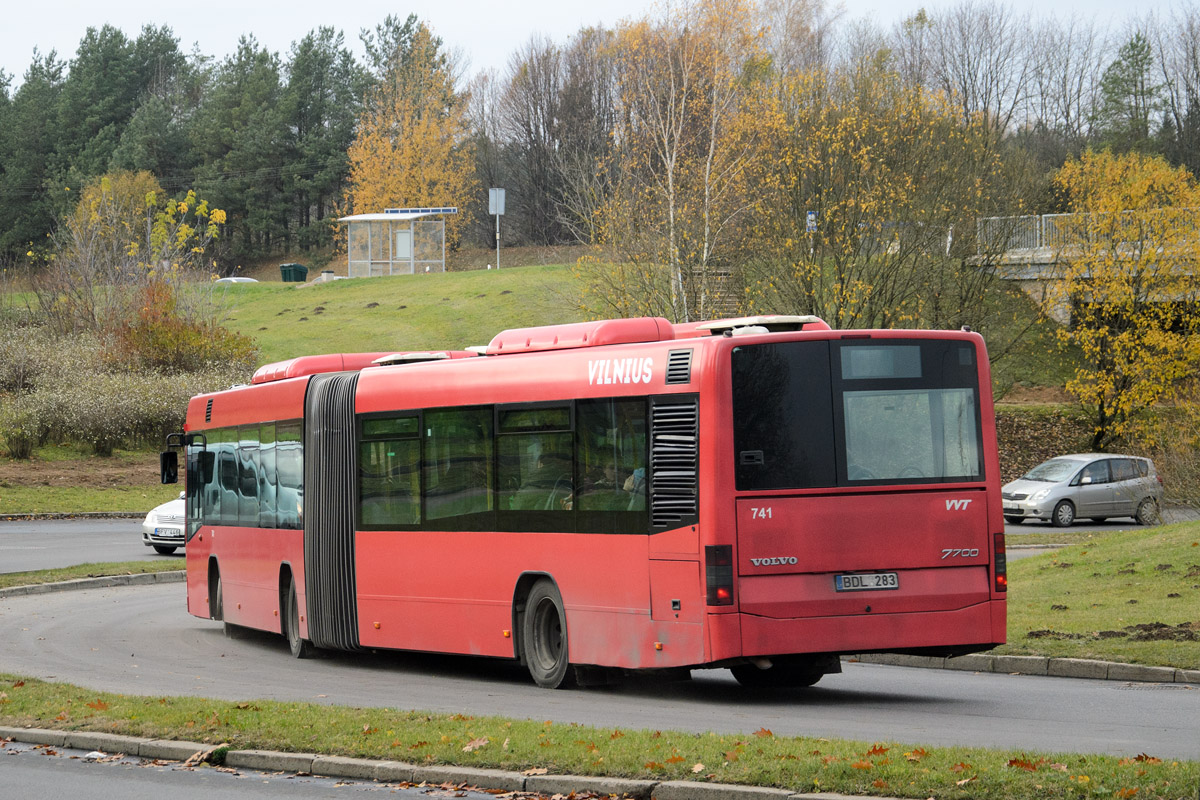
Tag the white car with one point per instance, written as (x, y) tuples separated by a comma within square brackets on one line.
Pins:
[(163, 527)]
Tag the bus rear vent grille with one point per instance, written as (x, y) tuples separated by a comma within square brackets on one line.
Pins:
[(674, 460), (208, 411), (679, 366)]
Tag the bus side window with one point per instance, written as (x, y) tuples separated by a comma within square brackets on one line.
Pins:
[(458, 469), (248, 476), (266, 475), (388, 472), (289, 474), (535, 470), (612, 447)]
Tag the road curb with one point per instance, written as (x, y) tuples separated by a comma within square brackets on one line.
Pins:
[(135, 579), (22, 516), (486, 780), (1038, 665)]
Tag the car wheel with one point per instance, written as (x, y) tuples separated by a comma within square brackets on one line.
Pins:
[(1147, 512), (301, 648), (544, 637), (1064, 514), (163, 549), (1014, 520)]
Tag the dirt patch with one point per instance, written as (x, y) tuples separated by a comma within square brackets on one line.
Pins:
[(92, 473), (1036, 394), (1146, 632)]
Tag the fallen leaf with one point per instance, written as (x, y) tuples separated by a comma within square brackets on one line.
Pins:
[(697, 768), (18, 684), (653, 765), (1145, 759), (98, 705), (960, 767), (879, 783), (676, 760), (861, 765), (763, 732), (474, 745), (878, 750), (617, 734), (535, 771), (965, 781), (916, 755)]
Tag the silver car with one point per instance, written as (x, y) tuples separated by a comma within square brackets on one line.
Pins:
[(1095, 486), (163, 527)]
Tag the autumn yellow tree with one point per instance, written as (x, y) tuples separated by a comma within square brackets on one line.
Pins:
[(692, 110), (868, 203), (125, 234), (412, 146), (1130, 274)]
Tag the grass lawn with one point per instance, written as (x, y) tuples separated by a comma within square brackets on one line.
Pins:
[(761, 758), (10, 579), (1131, 596), (409, 312)]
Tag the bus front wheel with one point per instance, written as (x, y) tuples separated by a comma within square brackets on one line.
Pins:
[(301, 648), (544, 637)]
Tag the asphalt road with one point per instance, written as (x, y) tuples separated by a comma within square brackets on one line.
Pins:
[(51, 544), (140, 640)]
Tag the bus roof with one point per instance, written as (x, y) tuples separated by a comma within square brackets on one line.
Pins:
[(597, 333)]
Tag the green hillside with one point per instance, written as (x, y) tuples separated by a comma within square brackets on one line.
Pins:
[(448, 310)]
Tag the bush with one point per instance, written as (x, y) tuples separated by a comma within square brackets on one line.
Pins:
[(111, 410), (159, 338), (21, 426)]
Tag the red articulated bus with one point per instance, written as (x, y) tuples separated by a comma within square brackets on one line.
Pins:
[(763, 494)]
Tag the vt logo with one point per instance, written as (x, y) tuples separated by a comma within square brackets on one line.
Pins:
[(957, 505)]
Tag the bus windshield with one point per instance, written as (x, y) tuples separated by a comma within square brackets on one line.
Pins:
[(838, 413)]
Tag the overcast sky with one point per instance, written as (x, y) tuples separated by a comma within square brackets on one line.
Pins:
[(486, 31)]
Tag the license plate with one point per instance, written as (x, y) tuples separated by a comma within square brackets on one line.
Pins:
[(169, 533), (867, 581), (1012, 508)]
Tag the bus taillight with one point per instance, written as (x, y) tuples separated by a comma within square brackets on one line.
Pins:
[(718, 570), (1001, 563)]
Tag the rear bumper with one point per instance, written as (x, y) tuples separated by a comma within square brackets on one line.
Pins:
[(975, 627)]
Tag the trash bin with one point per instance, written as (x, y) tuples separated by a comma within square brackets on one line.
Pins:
[(293, 273)]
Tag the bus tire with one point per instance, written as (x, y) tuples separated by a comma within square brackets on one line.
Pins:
[(777, 676), (301, 648), (216, 604), (544, 637)]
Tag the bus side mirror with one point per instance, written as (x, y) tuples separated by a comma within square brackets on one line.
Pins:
[(207, 460), (168, 463)]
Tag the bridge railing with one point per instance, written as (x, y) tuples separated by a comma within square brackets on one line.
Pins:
[(1031, 232)]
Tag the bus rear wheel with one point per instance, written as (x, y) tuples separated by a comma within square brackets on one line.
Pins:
[(544, 637), (301, 648), (778, 676)]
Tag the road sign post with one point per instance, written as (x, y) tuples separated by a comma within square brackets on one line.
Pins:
[(496, 208)]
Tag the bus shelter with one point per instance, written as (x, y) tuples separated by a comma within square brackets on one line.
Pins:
[(399, 241)]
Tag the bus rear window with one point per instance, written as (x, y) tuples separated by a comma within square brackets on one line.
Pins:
[(829, 413)]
